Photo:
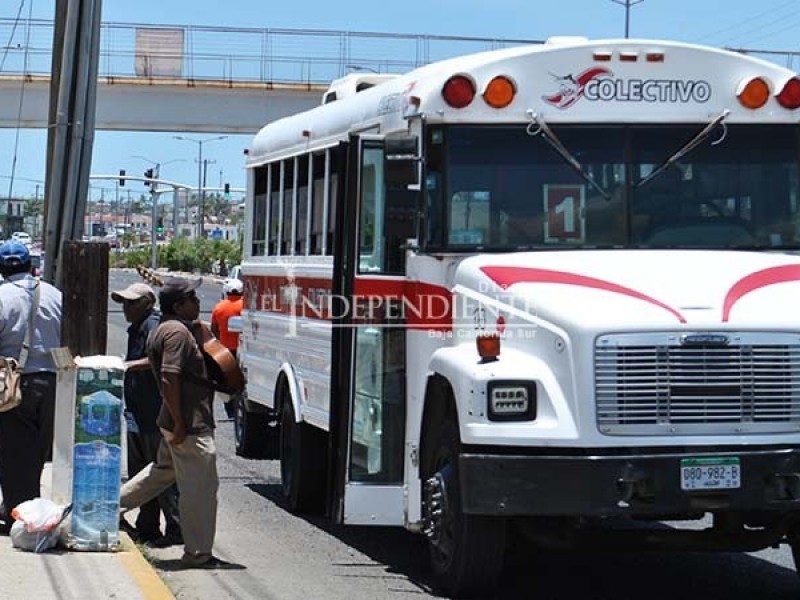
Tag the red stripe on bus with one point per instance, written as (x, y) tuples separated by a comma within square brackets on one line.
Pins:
[(425, 306), (755, 281), (508, 276)]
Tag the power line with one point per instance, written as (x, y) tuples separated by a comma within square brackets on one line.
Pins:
[(11, 37), (750, 20)]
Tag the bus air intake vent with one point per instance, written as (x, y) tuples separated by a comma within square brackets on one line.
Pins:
[(665, 387)]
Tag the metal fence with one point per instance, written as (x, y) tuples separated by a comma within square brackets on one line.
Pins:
[(237, 54), (254, 54)]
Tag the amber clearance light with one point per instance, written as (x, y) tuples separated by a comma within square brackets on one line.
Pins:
[(458, 91), (488, 346), (500, 92), (753, 93), (789, 96)]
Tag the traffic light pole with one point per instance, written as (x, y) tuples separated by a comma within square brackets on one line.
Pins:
[(154, 219)]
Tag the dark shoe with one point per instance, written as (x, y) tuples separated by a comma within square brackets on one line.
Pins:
[(165, 541), (211, 563)]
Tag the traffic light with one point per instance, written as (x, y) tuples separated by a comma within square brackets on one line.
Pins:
[(148, 175), (160, 225), (121, 175), (227, 190)]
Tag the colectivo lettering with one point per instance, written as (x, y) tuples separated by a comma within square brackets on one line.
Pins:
[(647, 90)]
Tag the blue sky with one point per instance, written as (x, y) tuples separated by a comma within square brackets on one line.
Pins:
[(769, 24)]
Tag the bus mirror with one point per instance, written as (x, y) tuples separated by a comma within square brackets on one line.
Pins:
[(401, 162)]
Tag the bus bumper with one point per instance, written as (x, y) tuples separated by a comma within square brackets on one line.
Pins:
[(645, 485)]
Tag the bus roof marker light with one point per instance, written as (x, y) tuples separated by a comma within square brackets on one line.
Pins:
[(753, 93), (789, 96), (654, 57), (628, 56), (458, 91), (602, 55), (500, 92)]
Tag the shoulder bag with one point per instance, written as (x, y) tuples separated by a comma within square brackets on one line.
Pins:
[(11, 368)]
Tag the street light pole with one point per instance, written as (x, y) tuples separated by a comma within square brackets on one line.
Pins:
[(201, 192), (627, 4)]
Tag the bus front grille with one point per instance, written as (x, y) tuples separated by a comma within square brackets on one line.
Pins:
[(750, 384)]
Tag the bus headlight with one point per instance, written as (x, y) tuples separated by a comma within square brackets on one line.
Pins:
[(511, 401)]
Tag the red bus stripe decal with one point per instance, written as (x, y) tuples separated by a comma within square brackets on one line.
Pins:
[(755, 281), (508, 276)]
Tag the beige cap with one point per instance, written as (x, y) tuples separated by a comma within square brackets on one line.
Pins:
[(134, 292)]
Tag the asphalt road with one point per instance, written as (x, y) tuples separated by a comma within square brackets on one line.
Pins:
[(279, 556)]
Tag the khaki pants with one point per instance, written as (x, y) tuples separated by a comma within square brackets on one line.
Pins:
[(193, 466)]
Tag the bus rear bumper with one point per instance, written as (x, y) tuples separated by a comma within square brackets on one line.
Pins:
[(646, 485)]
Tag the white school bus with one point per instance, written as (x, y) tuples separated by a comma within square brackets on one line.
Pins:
[(552, 287)]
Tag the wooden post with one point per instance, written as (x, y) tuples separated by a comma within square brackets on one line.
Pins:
[(84, 316)]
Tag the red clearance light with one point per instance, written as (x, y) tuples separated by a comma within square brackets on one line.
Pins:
[(753, 93), (789, 96), (654, 57), (629, 56), (602, 55), (500, 92), (458, 91)]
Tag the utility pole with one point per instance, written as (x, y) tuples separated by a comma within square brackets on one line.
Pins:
[(627, 4), (200, 173)]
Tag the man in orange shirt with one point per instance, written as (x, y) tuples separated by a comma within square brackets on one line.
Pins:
[(229, 306)]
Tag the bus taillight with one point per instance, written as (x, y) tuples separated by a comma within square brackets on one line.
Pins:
[(753, 93), (500, 92), (459, 91), (789, 96)]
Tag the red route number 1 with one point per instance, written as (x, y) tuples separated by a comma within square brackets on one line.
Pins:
[(563, 206)]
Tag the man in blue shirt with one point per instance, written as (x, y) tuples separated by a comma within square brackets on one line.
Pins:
[(142, 405), (26, 432)]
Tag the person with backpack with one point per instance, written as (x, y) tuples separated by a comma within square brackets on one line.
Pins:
[(26, 431), (187, 452)]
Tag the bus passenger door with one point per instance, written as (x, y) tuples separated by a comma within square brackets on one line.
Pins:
[(368, 426)]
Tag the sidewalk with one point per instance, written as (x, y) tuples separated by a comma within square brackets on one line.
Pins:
[(61, 574)]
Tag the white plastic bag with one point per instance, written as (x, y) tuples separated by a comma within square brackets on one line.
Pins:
[(36, 524)]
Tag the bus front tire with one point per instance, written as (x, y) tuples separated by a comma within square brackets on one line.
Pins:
[(466, 551), (303, 463)]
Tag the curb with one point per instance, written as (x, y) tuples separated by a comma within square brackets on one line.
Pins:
[(141, 571)]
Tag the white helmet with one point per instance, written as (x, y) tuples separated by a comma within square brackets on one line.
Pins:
[(233, 286)]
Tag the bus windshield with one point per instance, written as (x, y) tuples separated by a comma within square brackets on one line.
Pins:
[(502, 188)]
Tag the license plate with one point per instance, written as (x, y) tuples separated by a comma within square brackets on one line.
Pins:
[(710, 473)]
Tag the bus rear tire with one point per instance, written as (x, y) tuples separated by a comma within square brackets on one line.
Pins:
[(303, 463), (466, 551), (249, 430)]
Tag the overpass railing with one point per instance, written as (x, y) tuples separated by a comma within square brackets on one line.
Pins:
[(261, 55), (237, 54)]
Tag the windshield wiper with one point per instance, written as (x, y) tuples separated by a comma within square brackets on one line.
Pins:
[(687, 147), (551, 138)]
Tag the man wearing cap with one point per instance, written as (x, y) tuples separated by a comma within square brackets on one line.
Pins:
[(188, 454), (229, 306), (26, 432), (142, 404)]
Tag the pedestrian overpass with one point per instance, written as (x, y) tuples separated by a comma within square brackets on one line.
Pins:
[(130, 104), (218, 79), (208, 79)]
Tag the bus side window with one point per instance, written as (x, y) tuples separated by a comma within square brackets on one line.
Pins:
[(288, 207), (274, 209), (301, 220), (260, 211), (317, 203)]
